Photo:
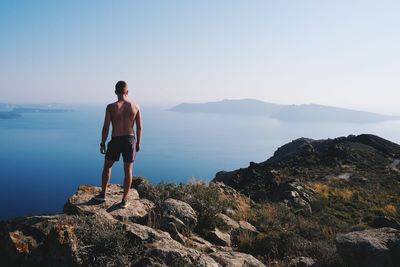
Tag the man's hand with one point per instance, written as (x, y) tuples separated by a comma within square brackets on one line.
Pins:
[(137, 147), (103, 149)]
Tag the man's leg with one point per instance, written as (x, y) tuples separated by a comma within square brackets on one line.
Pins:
[(128, 178), (106, 175)]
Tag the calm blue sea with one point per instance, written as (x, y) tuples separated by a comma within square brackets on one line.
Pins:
[(45, 156)]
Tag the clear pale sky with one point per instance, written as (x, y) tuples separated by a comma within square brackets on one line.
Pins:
[(342, 53)]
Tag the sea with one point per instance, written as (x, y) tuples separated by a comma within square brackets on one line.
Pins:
[(44, 157)]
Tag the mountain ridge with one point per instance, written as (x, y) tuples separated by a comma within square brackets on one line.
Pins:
[(287, 113)]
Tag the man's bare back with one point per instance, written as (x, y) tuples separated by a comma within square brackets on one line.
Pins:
[(123, 115)]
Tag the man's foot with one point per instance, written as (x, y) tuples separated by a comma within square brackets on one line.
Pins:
[(124, 204), (100, 197)]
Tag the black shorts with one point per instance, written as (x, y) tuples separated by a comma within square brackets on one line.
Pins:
[(121, 144)]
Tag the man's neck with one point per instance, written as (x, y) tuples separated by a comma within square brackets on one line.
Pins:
[(122, 97)]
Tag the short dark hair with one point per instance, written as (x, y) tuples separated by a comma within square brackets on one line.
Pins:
[(120, 87)]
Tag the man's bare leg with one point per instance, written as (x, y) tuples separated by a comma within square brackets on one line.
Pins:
[(128, 179), (106, 175)]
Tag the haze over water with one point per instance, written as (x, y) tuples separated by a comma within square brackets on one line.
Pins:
[(45, 156)]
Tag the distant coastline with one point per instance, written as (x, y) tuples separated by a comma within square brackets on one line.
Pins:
[(12, 112), (286, 113)]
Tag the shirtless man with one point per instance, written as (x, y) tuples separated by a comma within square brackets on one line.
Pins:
[(123, 115)]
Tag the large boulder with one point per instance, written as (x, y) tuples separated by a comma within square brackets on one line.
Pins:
[(38, 241), (144, 233), (370, 248), (181, 210), (226, 222), (82, 203), (235, 259), (171, 253), (219, 238)]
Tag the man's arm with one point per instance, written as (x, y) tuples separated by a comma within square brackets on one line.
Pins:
[(104, 132), (138, 121)]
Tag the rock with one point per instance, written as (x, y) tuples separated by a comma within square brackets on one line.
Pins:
[(144, 233), (144, 188), (294, 195), (385, 221), (247, 226), (198, 243), (173, 230), (235, 259), (222, 187), (227, 222), (172, 253), (82, 203), (370, 248), (358, 178), (302, 262), (39, 241), (219, 238), (181, 210)]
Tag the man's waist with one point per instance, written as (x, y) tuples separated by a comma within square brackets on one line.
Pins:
[(123, 136)]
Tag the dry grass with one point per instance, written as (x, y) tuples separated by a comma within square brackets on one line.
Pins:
[(321, 189), (343, 193), (390, 210), (325, 191)]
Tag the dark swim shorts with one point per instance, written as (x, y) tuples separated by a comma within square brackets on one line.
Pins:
[(121, 144)]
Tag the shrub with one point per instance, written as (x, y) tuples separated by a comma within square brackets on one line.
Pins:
[(102, 243)]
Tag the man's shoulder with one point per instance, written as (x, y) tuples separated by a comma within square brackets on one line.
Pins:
[(134, 105), (110, 105)]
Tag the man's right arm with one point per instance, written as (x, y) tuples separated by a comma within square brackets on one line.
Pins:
[(104, 132), (138, 121)]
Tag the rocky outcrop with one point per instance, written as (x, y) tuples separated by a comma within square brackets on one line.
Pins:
[(281, 177), (82, 203), (63, 240), (370, 248), (39, 241)]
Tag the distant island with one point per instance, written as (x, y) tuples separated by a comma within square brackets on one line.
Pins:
[(288, 113), (9, 115), (9, 111)]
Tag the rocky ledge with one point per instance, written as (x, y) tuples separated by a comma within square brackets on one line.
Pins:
[(151, 234)]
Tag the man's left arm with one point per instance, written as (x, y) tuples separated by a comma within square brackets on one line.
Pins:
[(105, 130)]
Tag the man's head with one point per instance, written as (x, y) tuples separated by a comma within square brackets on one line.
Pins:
[(121, 88)]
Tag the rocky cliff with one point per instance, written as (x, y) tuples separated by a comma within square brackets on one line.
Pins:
[(314, 203)]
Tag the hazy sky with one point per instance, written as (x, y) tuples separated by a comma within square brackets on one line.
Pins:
[(343, 53)]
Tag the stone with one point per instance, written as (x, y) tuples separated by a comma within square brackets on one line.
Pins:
[(219, 238), (198, 243), (247, 226), (144, 233), (370, 248), (82, 203), (227, 222), (385, 221), (172, 253), (302, 262), (39, 241), (181, 210), (235, 259)]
